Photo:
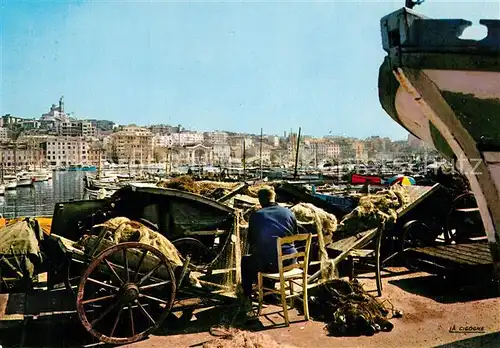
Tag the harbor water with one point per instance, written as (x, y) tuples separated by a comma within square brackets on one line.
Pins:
[(40, 198)]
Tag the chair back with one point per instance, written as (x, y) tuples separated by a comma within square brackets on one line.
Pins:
[(301, 256)]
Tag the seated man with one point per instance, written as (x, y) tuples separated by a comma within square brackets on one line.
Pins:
[(265, 225)]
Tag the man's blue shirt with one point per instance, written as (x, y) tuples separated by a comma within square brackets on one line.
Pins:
[(265, 225)]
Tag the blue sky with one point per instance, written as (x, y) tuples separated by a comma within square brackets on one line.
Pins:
[(207, 65)]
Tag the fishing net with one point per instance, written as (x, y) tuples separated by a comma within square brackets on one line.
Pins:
[(125, 230), (253, 190), (309, 213), (325, 223), (347, 309), (183, 183), (374, 210), (211, 189)]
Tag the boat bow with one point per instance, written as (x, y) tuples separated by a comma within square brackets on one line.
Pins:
[(446, 91)]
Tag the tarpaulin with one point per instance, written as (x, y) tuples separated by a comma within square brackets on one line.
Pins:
[(19, 249)]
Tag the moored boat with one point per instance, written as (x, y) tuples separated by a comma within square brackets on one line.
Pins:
[(11, 185), (445, 90), (24, 181), (2, 189), (42, 175)]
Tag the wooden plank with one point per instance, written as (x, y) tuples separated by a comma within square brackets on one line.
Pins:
[(473, 249), (12, 308), (452, 254), (345, 246), (459, 254), (232, 193), (416, 195), (449, 252), (237, 247), (206, 233), (443, 254), (440, 257), (351, 242), (460, 251)]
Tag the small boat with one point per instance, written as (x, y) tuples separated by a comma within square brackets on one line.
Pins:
[(42, 175), (79, 167), (357, 179), (2, 189), (11, 185), (24, 181), (99, 194)]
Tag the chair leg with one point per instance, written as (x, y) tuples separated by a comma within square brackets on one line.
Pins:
[(352, 274), (306, 298), (377, 273), (290, 286), (284, 303), (261, 292)]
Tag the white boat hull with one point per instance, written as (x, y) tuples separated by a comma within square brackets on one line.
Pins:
[(446, 91), (11, 185), (2, 190), (24, 182), (42, 177)]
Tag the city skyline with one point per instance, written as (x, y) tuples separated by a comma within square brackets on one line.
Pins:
[(232, 67)]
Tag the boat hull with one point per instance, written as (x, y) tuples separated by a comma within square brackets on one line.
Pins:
[(446, 91), (24, 182), (11, 185)]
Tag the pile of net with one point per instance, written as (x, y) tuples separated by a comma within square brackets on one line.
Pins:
[(309, 213), (122, 229), (235, 338), (253, 190), (325, 225), (347, 309), (211, 189), (375, 209)]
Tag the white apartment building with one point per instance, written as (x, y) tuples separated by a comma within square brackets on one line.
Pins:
[(163, 141), (76, 129), (4, 134), (88, 129), (66, 151), (237, 140), (221, 153), (187, 138), (273, 140), (215, 137), (254, 153)]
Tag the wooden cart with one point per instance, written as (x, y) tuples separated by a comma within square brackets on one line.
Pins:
[(126, 290), (351, 245), (123, 292)]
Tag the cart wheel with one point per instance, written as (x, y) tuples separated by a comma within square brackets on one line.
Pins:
[(415, 234), (463, 219), (73, 272), (125, 293), (201, 255)]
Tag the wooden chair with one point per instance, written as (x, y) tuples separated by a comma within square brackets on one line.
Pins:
[(369, 257), (287, 276)]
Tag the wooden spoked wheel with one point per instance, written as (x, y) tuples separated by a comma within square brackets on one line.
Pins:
[(463, 219), (200, 256), (416, 234), (125, 293)]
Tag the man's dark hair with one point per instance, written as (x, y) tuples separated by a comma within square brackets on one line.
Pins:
[(266, 196)]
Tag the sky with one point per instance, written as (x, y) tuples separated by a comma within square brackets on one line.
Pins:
[(235, 66)]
